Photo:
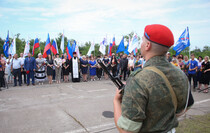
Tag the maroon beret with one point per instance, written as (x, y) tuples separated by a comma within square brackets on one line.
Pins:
[(159, 34), (74, 52)]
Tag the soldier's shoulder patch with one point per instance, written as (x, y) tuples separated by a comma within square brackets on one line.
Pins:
[(135, 72)]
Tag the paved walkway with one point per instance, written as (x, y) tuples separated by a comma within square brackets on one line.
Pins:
[(67, 108)]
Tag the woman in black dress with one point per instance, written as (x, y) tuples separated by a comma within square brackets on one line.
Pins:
[(49, 62), (65, 68), (114, 64), (205, 78), (84, 68)]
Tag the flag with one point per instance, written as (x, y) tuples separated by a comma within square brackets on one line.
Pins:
[(12, 48), (54, 47), (135, 51), (73, 46), (26, 49), (134, 43), (110, 49), (126, 50), (111, 46), (6, 46), (36, 45), (47, 47), (69, 51), (102, 47), (77, 49), (62, 44), (183, 42), (121, 46), (92, 48), (113, 41)]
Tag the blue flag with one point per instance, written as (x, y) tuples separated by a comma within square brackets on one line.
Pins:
[(126, 50), (6, 46), (183, 42), (121, 46)]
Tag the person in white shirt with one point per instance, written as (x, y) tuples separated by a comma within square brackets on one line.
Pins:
[(23, 72), (8, 68), (130, 64), (15, 69)]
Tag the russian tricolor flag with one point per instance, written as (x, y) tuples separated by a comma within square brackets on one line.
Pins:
[(110, 46), (47, 47), (36, 45), (69, 50), (54, 47)]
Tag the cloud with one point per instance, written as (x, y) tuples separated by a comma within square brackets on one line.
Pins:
[(194, 21)]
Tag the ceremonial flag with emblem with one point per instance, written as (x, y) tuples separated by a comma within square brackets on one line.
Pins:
[(12, 48), (134, 43), (26, 49), (77, 49), (6, 46), (55, 47), (183, 42), (73, 46), (36, 45), (69, 51), (92, 48), (102, 47), (121, 46), (47, 48)]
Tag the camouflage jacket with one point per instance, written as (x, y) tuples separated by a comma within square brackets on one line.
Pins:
[(147, 103)]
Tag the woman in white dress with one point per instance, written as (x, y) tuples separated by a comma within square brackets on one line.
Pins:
[(40, 74)]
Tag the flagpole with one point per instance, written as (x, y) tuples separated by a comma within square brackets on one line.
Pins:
[(94, 47)]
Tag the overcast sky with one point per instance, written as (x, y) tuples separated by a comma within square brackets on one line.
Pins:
[(92, 20)]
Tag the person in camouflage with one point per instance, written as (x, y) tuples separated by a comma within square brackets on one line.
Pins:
[(147, 104)]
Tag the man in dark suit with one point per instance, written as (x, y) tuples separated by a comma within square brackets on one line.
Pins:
[(30, 66)]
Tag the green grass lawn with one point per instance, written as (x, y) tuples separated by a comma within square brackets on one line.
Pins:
[(195, 124)]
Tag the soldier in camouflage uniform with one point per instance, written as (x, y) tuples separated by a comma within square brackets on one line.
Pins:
[(148, 104)]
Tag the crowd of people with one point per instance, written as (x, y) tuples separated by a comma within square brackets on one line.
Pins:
[(196, 69), (59, 68)]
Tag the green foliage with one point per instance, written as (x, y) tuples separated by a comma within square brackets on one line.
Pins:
[(20, 45), (197, 51)]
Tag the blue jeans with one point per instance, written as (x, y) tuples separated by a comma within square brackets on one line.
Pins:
[(30, 75)]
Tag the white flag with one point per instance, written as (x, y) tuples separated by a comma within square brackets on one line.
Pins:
[(12, 48), (77, 51), (92, 48), (62, 43), (102, 47), (134, 43), (27, 48)]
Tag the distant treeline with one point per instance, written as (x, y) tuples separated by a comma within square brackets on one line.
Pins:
[(20, 45)]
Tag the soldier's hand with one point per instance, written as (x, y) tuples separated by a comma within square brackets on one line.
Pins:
[(118, 96)]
